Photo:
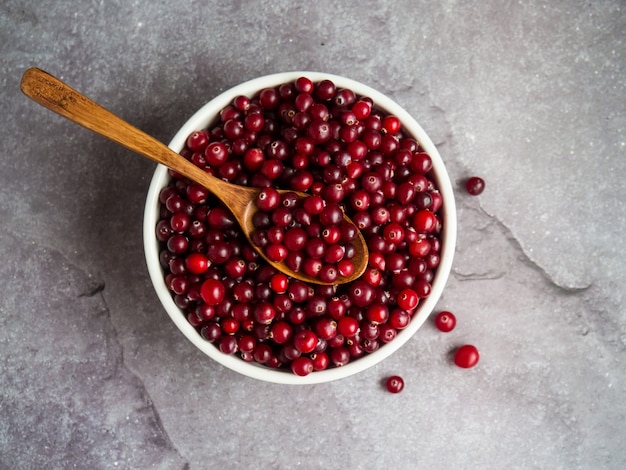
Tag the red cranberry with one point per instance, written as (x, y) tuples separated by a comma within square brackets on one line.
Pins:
[(399, 319), (302, 366), (340, 356), (445, 321), (466, 356), (348, 326), (212, 291), (268, 199), (475, 185), (394, 384), (197, 263), (305, 341), (387, 333), (407, 299), (320, 360), (281, 332)]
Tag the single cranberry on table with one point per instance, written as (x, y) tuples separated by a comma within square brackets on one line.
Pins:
[(445, 321), (394, 384), (466, 356), (346, 155), (475, 185)]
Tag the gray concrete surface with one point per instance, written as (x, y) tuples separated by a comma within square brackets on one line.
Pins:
[(530, 95)]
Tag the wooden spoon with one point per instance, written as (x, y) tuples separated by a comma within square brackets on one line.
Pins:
[(55, 95)]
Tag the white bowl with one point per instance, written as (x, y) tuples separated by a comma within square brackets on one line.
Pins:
[(206, 116)]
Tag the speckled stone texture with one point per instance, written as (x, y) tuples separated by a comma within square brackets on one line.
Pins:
[(530, 95)]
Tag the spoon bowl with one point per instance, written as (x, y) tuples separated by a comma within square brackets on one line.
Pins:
[(55, 95)]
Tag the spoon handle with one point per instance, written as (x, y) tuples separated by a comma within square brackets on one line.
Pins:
[(55, 95)]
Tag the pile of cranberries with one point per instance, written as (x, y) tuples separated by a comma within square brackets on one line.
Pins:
[(349, 157), (307, 233)]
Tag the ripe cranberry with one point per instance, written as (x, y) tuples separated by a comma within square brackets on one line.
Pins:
[(331, 215), (345, 268), (253, 159), (326, 328), (466, 356), (386, 333), (272, 168), (325, 90), (348, 326), (264, 312), (424, 221), (377, 313), (216, 153), (262, 353), (197, 140), (316, 306), (399, 319), (394, 384), (380, 215), (422, 288), (304, 85), (393, 233), (437, 201), (475, 185), (279, 283), (197, 263), (178, 284), (445, 321), (320, 360), (268, 199), (421, 163), (247, 343), (336, 308), (361, 293), (281, 332), (373, 276), (340, 356), (319, 131), (276, 252), (420, 248), (305, 341), (391, 124), (361, 109), (282, 216), (178, 244), (297, 315), (212, 291), (219, 251), (407, 299), (269, 98), (328, 273), (211, 332), (220, 219), (302, 366), (230, 326)]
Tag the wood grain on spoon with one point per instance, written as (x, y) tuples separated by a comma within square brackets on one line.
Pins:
[(55, 95)]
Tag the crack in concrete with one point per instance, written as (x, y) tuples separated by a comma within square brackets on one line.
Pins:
[(99, 287), (113, 373), (115, 348), (120, 363), (486, 276), (528, 260)]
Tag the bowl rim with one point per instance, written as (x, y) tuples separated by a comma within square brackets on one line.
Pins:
[(205, 116)]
